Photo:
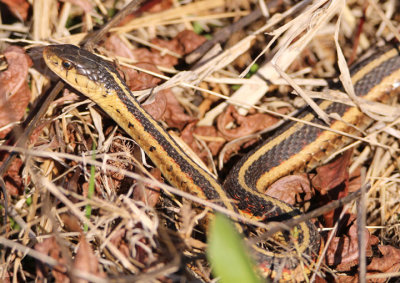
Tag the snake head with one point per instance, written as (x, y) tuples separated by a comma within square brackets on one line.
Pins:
[(58, 59), (81, 69)]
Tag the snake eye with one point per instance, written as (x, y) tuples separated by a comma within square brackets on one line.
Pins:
[(67, 65)]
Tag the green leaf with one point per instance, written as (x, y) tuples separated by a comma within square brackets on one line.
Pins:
[(197, 28), (227, 254), (28, 201)]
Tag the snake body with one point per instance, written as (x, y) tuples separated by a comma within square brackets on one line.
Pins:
[(294, 146)]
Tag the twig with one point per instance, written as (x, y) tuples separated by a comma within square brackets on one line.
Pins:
[(92, 39), (361, 219), (223, 34)]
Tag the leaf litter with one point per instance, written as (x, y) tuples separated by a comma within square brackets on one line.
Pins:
[(139, 231)]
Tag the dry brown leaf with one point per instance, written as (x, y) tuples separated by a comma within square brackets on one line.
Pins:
[(7, 276), (14, 89), (332, 182), (184, 42), (355, 180), (187, 136), (135, 80), (12, 178), (154, 57), (157, 108), (189, 41), (347, 279), (246, 124), (174, 114), (332, 174), (154, 6), (166, 107), (71, 222), (319, 279), (86, 261), (343, 251), (293, 189), (19, 8), (214, 145), (36, 132), (140, 80), (51, 248), (118, 47), (171, 45), (389, 262)]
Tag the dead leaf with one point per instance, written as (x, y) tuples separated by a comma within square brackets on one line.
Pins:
[(14, 89), (157, 6), (191, 129), (293, 189), (214, 141), (158, 107), (332, 181), (71, 222), (13, 179), (346, 279), (246, 125), (86, 261), (154, 6), (183, 43), (343, 251), (146, 55), (140, 80), (167, 107), (51, 248), (174, 114), (189, 41), (332, 174), (134, 79), (355, 180), (19, 8), (389, 262), (171, 45), (115, 45)]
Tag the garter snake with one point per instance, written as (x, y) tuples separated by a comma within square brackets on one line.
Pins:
[(294, 146)]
